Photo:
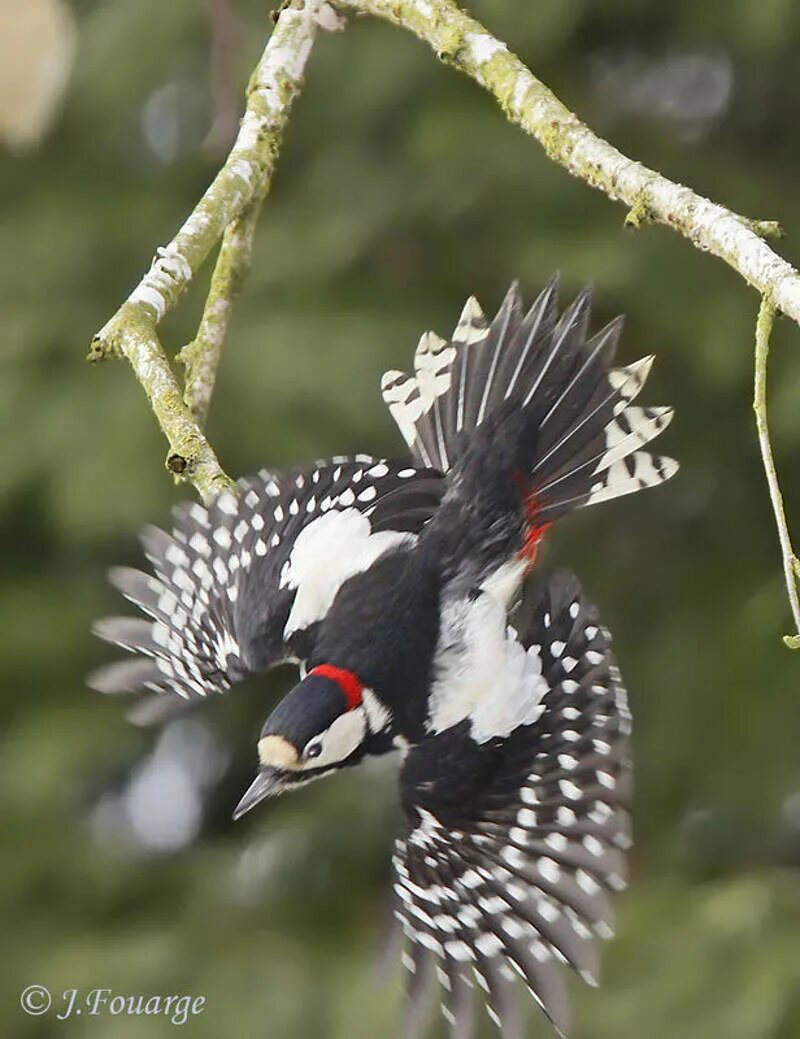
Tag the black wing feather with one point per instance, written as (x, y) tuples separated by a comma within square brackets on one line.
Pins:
[(216, 601), (513, 879)]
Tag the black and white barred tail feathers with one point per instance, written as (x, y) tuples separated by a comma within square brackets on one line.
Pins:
[(238, 585), (588, 436), (513, 845)]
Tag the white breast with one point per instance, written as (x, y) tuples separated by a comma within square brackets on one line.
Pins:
[(482, 673)]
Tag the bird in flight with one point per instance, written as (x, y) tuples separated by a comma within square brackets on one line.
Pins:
[(406, 592)]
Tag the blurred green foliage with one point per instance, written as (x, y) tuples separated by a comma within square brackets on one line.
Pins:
[(401, 190)]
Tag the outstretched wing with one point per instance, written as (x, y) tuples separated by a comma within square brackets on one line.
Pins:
[(242, 584), (513, 842)]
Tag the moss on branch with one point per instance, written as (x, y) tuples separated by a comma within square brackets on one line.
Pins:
[(132, 334), (229, 207), (466, 44), (461, 41), (201, 356)]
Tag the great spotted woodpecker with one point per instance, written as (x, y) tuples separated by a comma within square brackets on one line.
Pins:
[(402, 590)]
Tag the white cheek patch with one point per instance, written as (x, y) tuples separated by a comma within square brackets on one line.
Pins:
[(326, 553), (341, 739), (378, 716)]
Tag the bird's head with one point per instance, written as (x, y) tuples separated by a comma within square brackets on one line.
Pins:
[(325, 723)]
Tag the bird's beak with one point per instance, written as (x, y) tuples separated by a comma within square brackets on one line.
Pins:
[(268, 781)]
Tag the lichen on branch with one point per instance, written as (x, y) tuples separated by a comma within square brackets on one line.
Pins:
[(231, 205), (232, 200), (463, 42), (201, 356), (275, 83), (190, 455)]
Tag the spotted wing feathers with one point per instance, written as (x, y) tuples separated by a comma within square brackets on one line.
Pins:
[(239, 586), (588, 437), (513, 846)]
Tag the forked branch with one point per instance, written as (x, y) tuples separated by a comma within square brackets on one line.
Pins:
[(237, 188), (201, 357), (230, 208)]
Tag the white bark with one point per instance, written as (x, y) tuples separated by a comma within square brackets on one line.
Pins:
[(464, 43), (232, 200), (242, 181)]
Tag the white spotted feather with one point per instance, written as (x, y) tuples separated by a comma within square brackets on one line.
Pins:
[(509, 884)]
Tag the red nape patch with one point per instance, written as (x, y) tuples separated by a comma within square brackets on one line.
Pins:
[(348, 682), (535, 531)]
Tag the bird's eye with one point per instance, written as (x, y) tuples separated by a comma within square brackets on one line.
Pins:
[(313, 749)]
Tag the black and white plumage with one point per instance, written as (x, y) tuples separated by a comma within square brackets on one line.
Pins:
[(402, 590), (589, 434), (513, 843), (227, 579)]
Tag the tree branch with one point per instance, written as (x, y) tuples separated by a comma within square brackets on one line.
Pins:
[(791, 564), (243, 179), (231, 205), (464, 43), (461, 41), (190, 456), (201, 357)]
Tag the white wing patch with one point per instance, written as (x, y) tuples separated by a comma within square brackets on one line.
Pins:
[(483, 673), (326, 553)]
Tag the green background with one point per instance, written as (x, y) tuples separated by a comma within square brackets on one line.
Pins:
[(401, 190)]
